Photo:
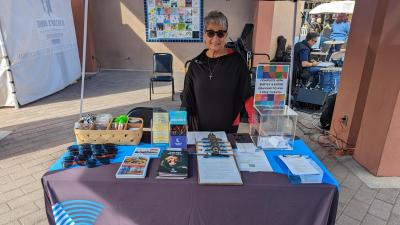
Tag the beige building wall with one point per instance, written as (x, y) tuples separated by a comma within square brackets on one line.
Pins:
[(119, 33), (264, 15)]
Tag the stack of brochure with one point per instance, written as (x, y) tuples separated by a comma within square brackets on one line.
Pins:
[(150, 152), (302, 169)]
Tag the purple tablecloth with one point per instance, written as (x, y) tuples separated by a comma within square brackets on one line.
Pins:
[(265, 198)]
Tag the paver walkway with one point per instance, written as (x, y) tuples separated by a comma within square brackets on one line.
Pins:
[(41, 131)]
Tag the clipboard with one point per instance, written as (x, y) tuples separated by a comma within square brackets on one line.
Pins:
[(218, 170)]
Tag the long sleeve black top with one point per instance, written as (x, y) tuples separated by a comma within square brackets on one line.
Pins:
[(213, 104)]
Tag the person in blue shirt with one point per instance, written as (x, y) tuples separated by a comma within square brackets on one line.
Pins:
[(305, 68), (340, 32)]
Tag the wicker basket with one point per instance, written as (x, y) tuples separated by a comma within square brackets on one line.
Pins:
[(120, 137)]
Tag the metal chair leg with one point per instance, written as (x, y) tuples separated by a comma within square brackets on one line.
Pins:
[(173, 90), (150, 89)]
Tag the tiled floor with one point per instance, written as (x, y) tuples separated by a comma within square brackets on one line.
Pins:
[(42, 130)]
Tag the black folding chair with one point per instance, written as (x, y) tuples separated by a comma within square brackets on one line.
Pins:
[(146, 113), (162, 71)]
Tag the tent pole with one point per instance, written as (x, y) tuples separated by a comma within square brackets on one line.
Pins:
[(292, 54), (9, 74), (84, 56)]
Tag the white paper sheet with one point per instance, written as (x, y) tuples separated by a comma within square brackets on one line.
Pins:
[(218, 170), (246, 147), (191, 138), (150, 152), (274, 142), (253, 161), (298, 165), (326, 64)]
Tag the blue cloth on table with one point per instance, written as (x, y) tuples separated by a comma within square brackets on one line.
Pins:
[(299, 148)]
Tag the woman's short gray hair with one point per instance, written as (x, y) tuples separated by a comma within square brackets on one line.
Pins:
[(216, 17)]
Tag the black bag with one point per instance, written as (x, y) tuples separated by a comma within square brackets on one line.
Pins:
[(327, 112), (280, 50)]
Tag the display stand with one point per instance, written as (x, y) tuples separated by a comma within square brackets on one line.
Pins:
[(274, 123), (273, 129)]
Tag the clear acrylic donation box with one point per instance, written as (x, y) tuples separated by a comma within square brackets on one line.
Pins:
[(273, 128)]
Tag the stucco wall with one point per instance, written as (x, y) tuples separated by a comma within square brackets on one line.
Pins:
[(263, 21), (78, 11), (283, 23), (119, 33), (377, 144)]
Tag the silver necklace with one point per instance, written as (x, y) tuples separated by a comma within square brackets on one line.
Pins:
[(209, 68)]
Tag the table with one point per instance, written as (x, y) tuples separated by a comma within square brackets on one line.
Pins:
[(334, 42), (265, 198)]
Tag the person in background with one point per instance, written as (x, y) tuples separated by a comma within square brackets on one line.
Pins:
[(304, 66), (316, 25), (312, 24), (340, 32), (217, 83)]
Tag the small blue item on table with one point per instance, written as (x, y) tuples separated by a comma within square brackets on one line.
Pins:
[(119, 152), (91, 163)]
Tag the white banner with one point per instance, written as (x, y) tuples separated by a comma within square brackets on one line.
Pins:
[(40, 40), (5, 90)]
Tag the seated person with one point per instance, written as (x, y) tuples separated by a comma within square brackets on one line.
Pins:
[(305, 67)]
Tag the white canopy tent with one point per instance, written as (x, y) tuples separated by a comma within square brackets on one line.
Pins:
[(38, 50), (85, 43), (334, 7)]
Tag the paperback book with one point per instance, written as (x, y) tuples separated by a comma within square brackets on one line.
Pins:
[(173, 165), (133, 167)]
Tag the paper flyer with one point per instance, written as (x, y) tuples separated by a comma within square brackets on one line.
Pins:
[(271, 85), (160, 127)]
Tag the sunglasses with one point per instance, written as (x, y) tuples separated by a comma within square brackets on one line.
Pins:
[(220, 33)]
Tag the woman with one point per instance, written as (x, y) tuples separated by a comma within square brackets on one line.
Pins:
[(340, 28), (340, 32), (217, 83)]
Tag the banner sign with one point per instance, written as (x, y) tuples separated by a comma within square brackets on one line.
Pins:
[(271, 85), (174, 20), (41, 44)]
